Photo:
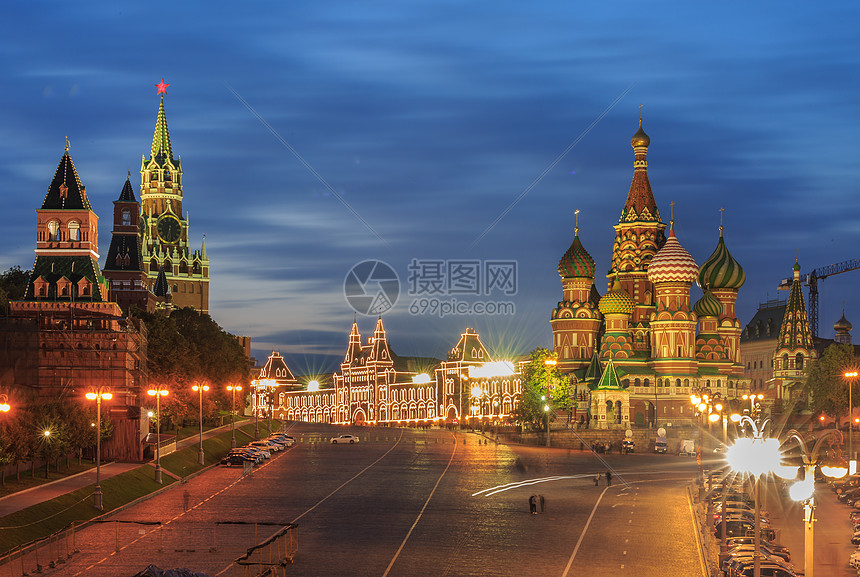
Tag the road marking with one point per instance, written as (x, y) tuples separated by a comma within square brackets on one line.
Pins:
[(420, 513), (582, 535)]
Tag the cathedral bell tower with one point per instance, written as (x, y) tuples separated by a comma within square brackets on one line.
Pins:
[(164, 229)]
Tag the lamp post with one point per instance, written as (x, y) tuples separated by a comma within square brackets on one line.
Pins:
[(546, 411), (804, 491), (850, 376), (199, 389), (755, 456), (157, 393), (4, 404), (755, 407), (233, 389), (97, 396)]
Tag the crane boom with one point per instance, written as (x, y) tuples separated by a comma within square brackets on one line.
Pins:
[(811, 280)]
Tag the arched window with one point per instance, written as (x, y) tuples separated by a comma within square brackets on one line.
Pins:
[(126, 216), (53, 230), (74, 230), (677, 382), (785, 361), (798, 361)]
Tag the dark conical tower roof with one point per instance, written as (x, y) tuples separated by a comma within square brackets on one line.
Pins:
[(127, 193), (640, 204), (66, 190), (161, 148), (161, 288)]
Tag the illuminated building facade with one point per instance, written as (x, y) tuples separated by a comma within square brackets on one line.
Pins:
[(657, 346), (375, 386)]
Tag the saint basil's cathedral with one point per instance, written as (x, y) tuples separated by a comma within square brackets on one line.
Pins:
[(640, 351)]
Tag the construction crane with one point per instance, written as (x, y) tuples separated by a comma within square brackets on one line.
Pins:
[(811, 280)]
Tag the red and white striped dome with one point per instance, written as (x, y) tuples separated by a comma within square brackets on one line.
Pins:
[(672, 263)]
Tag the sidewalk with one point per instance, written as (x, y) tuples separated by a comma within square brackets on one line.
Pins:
[(29, 497)]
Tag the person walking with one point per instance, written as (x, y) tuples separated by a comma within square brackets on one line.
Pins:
[(608, 478), (597, 479), (533, 505)]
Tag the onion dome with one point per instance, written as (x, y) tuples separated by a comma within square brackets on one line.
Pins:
[(576, 262), (721, 270), (708, 305), (672, 263), (616, 301), (640, 138), (843, 324)]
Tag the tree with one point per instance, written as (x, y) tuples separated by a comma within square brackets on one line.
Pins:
[(826, 385), (13, 285), (542, 382)]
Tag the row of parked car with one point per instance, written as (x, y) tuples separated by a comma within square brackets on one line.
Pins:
[(848, 491), (257, 451), (739, 513)]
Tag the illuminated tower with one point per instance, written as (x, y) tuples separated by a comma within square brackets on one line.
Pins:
[(638, 236), (576, 320), (709, 347), (794, 348), (723, 276), (617, 307), (164, 229), (673, 323)]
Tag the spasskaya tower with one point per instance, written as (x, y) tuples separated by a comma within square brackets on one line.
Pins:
[(164, 229)]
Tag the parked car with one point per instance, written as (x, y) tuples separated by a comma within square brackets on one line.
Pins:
[(257, 451), (732, 542), (245, 452), (266, 446), (750, 548), (741, 529), (344, 439), (283, 439), (236, 459), (854, 560), (628, 445), (742, 566)]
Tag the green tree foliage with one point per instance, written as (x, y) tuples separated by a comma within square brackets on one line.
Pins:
[(541, 381), (186, 349), (826, 385), (13, 284)]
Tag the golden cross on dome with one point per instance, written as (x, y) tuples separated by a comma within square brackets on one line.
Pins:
[(68, 145), (721, 221), (640, 112), (671, 216), (576, 217)]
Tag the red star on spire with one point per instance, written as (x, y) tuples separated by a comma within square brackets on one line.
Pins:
[(162, 87)]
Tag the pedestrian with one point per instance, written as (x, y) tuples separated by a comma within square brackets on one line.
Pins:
[(597, 479), (186, 498), (542, 503), (533, 505), (608, 478)]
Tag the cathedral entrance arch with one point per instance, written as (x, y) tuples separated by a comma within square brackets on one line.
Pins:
[(359, 417)]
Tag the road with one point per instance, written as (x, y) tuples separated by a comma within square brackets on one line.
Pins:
[(415, 503)]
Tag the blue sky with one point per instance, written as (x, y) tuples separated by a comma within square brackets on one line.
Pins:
[(428, 119)]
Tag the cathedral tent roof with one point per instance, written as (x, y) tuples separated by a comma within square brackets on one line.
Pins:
[(127, 193), (66, 191), (640, 205), (609, 379), (72, 268)]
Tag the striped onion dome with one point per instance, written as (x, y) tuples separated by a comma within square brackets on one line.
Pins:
[(616, 301), (721, 270), (708, 305), (576, 262), (672, 263)]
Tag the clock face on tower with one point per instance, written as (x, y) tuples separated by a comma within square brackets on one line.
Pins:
[(169, 229)]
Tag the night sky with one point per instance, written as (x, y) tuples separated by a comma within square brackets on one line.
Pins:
[(315, 136)]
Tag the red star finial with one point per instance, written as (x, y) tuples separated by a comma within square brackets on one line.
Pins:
[(162, 87)]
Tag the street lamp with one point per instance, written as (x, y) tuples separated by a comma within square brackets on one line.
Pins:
[(97, 396), (755, 456), (755, 407), (199, 389), (4, 404), (804, 491), (546, 411), (233, 389), (850, 376), (157, 393)]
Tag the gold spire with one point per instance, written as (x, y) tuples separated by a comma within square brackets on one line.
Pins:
[(68, 144), (671, 216), (721, 222), (576, 225)]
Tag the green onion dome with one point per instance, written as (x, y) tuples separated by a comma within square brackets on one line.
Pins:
[(708, 305), (576, 262), (616, 301), (721, 271), (672, 263)]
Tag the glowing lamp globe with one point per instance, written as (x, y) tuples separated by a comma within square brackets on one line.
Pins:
[(714, 417), (802, 490)]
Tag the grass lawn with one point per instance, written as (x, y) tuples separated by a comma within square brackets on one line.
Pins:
[(184, 462), (45, 518)]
